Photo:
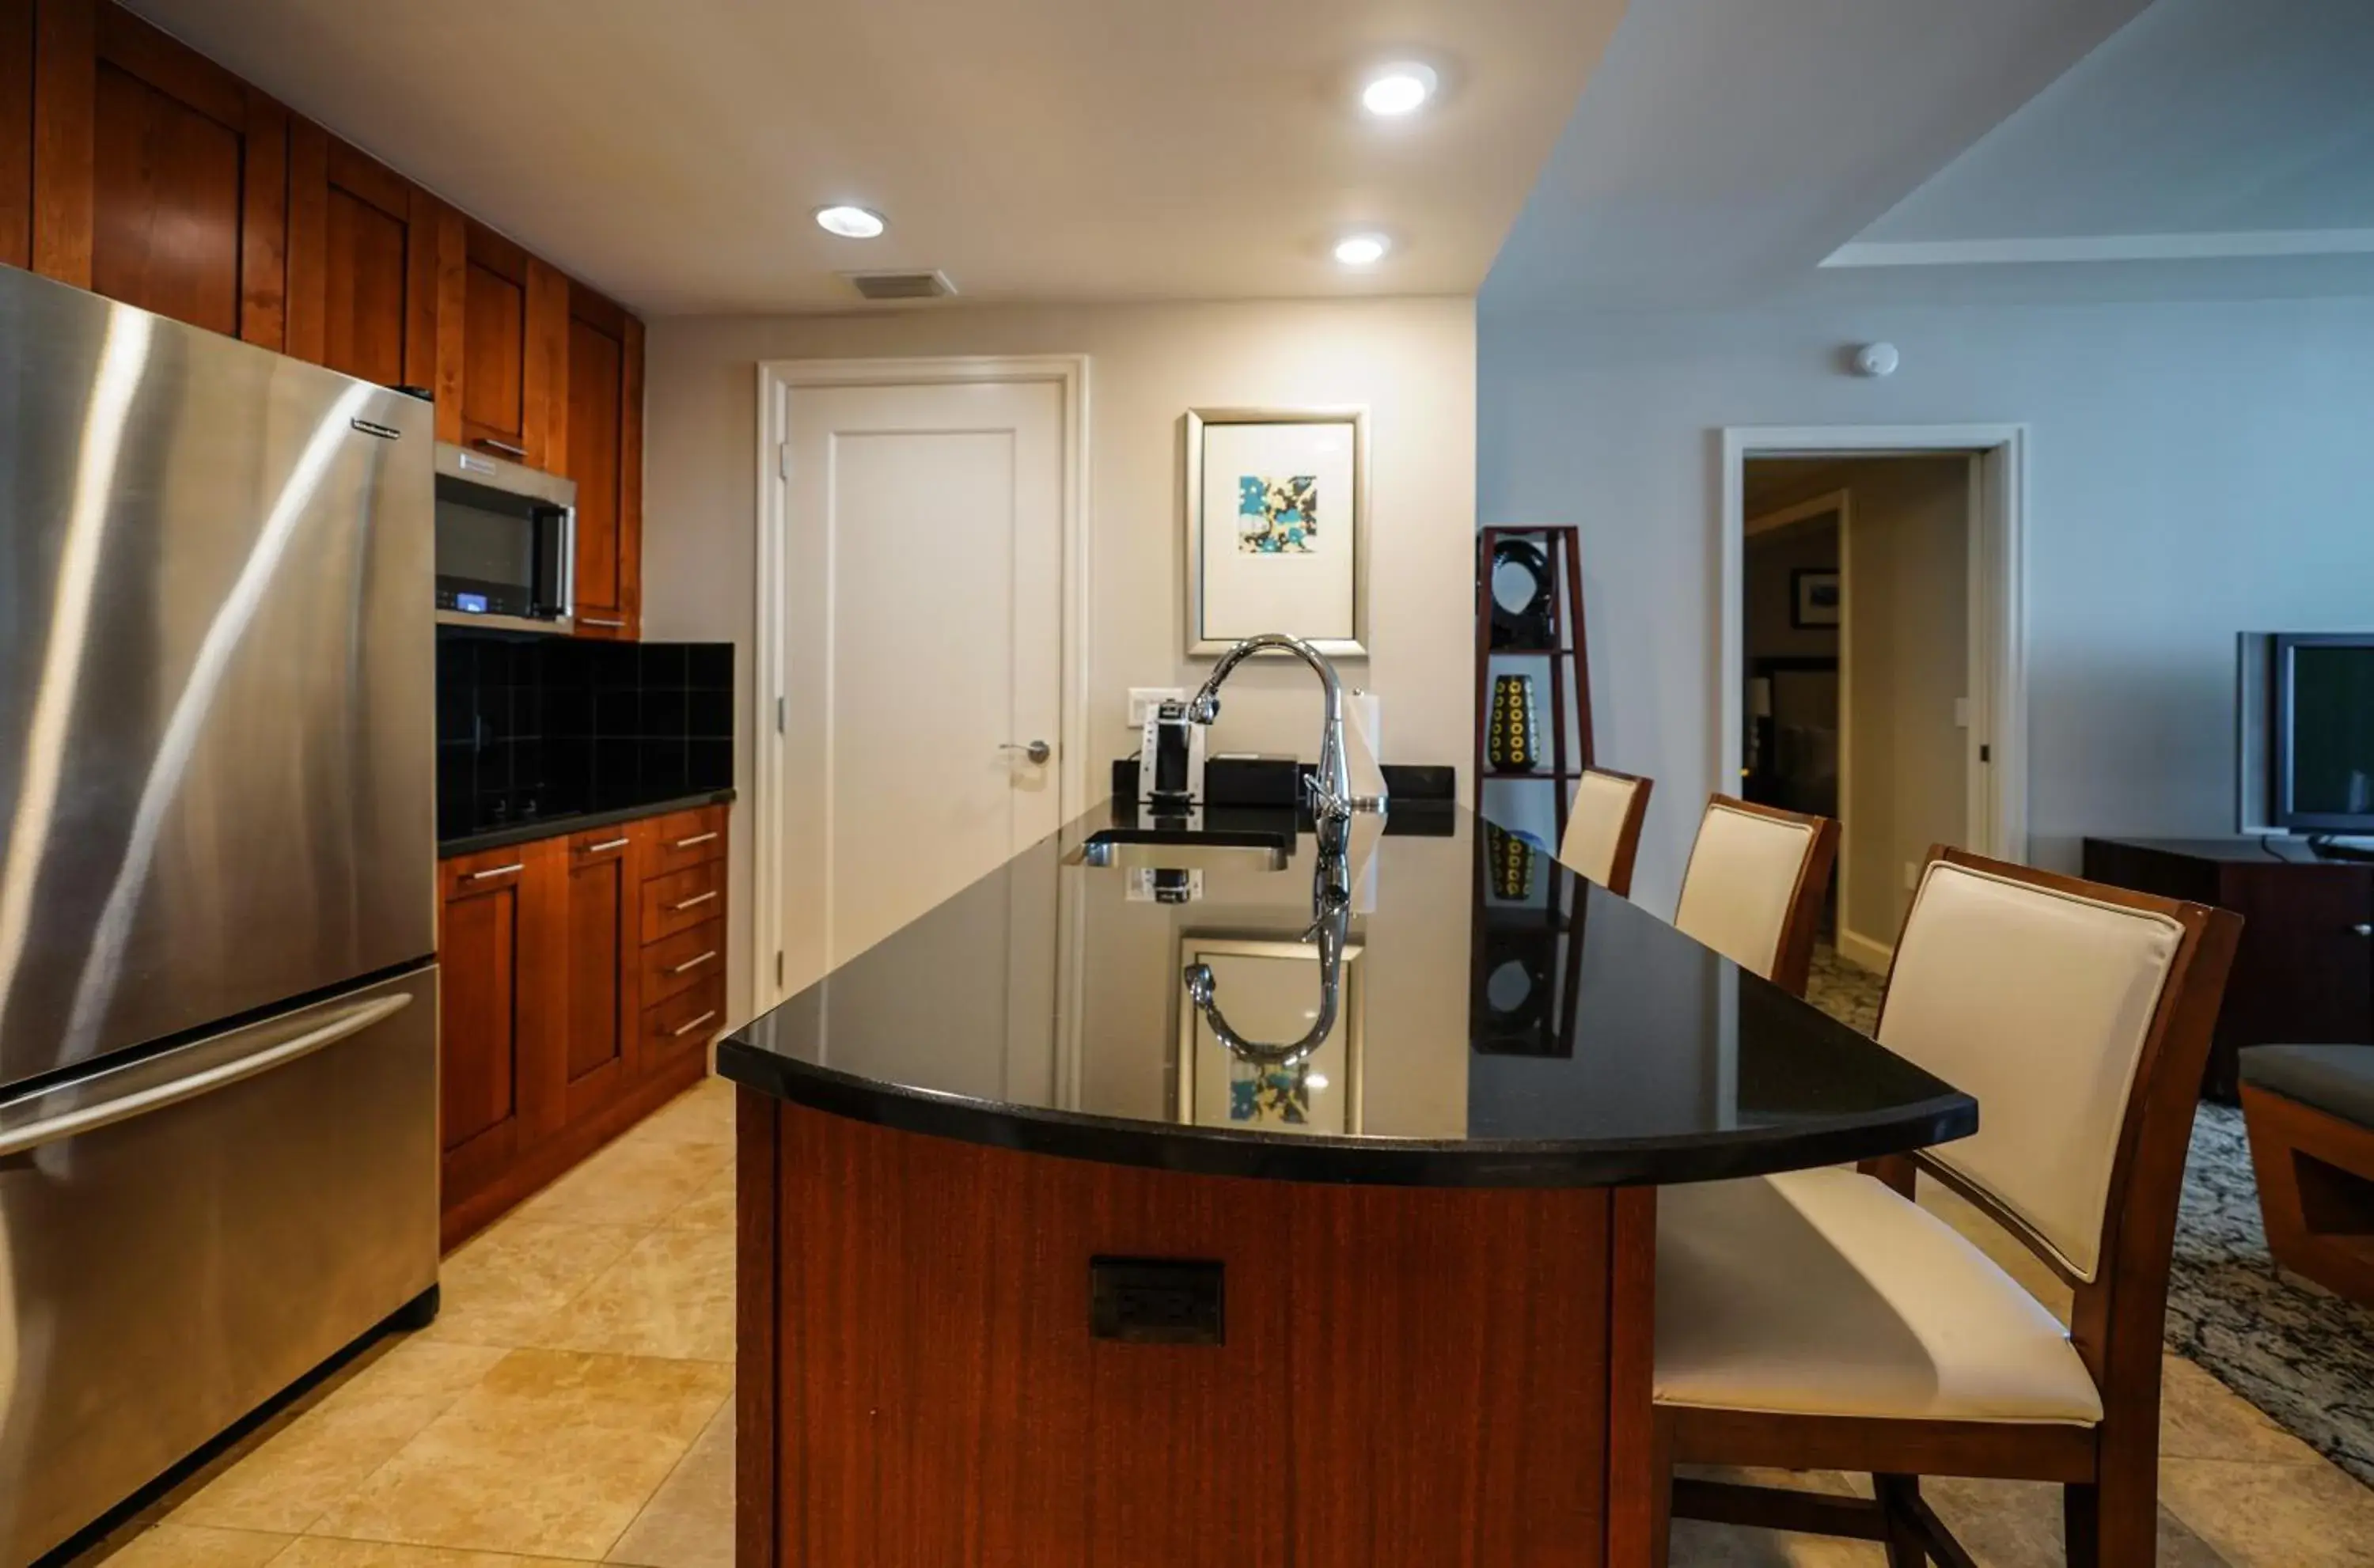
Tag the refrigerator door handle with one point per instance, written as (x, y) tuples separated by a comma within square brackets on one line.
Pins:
[(85, 1119)]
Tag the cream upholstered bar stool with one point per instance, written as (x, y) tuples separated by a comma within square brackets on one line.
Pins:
[(1821, 1320), (1755, 885), (1602, 836)]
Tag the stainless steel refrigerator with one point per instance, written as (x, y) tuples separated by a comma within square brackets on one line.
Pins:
[(217, 994)]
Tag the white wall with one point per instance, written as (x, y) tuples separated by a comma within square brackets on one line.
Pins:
[(1411, 361), (2194, 470), (1907, 578)]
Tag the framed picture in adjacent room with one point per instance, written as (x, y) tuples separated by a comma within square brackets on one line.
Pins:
[(1276, 511), (1268, 990), (1814, 600)]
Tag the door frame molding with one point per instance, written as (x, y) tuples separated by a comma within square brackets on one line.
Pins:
[(1841, 502), (781, 381), (1998, 599)]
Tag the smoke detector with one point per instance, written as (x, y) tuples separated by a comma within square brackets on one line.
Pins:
[(902, 284)]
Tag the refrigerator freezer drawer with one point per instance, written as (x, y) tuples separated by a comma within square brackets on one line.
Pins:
[(183, 1237)]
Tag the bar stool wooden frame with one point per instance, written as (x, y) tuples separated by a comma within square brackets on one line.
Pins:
[(1792, 958), (2108, 1474), (1627, 833)]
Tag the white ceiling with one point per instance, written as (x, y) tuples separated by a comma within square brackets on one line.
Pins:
[(1735, 152), (2205, 128), (1724, 148), (671, 153)]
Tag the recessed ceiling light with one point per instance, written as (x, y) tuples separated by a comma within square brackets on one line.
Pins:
[(1363, 250), (1399, 88), (849, 223)]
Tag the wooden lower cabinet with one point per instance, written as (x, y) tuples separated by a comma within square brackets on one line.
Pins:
[(496, 943), (601, 967), (561, 1024)]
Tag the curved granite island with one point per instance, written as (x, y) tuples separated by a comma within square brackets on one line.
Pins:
[(1051, 1257)]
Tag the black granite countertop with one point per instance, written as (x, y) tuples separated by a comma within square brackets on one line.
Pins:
[(1501, 1023), (533, 828)]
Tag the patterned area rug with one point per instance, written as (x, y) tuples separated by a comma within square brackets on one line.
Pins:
[(2294, 1350)]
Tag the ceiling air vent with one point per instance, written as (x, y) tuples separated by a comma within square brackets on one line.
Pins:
[(902, 284)]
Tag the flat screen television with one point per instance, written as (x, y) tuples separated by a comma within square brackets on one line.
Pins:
[(2322, 776)]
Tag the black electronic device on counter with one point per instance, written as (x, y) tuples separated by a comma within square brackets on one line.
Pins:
[(1276, 781)]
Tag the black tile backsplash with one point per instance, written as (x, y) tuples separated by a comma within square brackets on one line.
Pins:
[(531, 727)]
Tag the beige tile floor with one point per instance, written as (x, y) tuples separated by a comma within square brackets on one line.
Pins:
[(571, 1405)]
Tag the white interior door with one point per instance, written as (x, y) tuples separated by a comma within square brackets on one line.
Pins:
[(923, 641)]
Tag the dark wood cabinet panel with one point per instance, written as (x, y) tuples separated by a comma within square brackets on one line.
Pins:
[(681, 900), (514, 350), (557, 1036), (481, 1013), (497, 946), (602, 970), (134, 166), (2304, 967), (494, 344), (921, 1382), (16, 133), (604, 457), (675, 965), (65, 89), (363, 318), (364, 261), (166, 205), (686, 838), (158, 178)]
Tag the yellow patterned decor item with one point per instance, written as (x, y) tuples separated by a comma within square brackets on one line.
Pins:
[(1513, 742)]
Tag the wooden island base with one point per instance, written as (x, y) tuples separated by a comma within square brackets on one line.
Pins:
[(1413, 1376)]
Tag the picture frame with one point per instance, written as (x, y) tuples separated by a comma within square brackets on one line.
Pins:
[(1266, 987), (1274, 509), (1815, 599)]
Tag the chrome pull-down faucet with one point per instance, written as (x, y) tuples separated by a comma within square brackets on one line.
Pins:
[(1331, 784)]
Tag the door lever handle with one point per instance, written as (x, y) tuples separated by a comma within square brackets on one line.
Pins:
[(1036, 751)]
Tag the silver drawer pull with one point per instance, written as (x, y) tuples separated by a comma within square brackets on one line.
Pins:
[(155, 1097), (695, 839), (508, 449), (598, 621), (688, 1028), (606, 845), (696, 898), (500, 870), (694, 963)]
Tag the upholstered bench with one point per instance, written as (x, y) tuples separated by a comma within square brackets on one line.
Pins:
[(2310, 1112)]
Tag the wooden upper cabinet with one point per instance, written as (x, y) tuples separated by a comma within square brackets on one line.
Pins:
[(606, 458), (367, 263), (158, 178), (514, 351), (16, 133)]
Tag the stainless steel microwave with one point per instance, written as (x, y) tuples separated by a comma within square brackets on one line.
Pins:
[(506, 543)]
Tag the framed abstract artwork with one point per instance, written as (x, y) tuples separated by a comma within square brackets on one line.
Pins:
[(1276, 508), (1267, 989)]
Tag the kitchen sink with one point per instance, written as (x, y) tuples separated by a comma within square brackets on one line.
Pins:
[(1183, 850)]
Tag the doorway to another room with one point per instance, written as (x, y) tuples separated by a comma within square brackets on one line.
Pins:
[(1869, 628)]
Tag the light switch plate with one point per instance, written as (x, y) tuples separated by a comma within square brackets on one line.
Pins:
[(1145, 699)]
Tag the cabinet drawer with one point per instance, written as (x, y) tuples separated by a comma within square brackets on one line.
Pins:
[(686, 838), (683, 961), (601, 843), (688, 1022), (484, 872), (682, 900)]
